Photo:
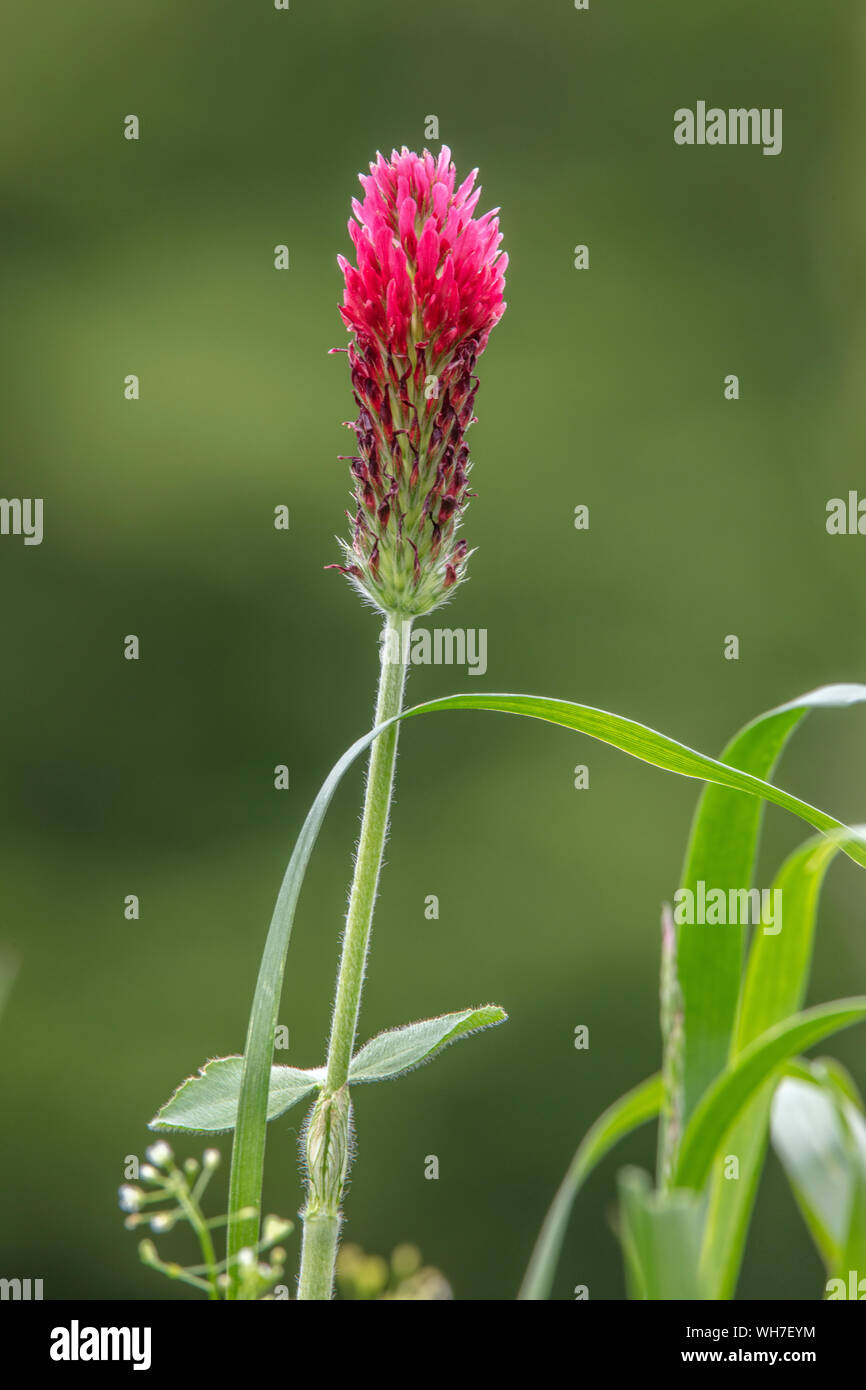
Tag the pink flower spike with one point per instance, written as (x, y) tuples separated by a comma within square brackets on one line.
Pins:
[(426, 290)]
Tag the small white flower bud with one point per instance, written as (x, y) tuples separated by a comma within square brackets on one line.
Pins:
[(274, 1228), (211, 1158), (130, 1198), (161, 1222), (148, 1172), (160, 1153)]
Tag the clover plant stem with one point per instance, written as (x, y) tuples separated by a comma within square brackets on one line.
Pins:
[(368, 863), (321, 1229), (318, 1256)]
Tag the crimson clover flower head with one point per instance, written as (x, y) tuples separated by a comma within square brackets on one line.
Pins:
[(420, 303)]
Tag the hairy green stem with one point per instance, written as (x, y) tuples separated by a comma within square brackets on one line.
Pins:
[(327, 1137), (318, 1256), (368, 863)]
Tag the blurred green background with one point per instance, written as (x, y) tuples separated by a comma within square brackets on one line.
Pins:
[(601, 387)]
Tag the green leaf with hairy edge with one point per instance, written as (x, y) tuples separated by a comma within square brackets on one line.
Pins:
[(632, 1110), (819, 1135), (774, 987), (636, 739), (726, 1098), (391, 1054), (660, 1234), (722, 851), (208, 1103)]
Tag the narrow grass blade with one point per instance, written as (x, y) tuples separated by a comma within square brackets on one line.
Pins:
[(722, 851), (632, 1110), (726, 1098), (780, 961), (248, 1150), (645, 744), (775, 986)]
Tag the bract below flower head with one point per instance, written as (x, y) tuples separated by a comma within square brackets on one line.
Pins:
[(421, 301)]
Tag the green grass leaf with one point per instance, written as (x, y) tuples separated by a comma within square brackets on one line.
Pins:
[(819, 1135), (632, 1110), (777, 974), (208, 1103), (392, 1054), (645, 744), (724, 1101), (774, 987), (722, 851)]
